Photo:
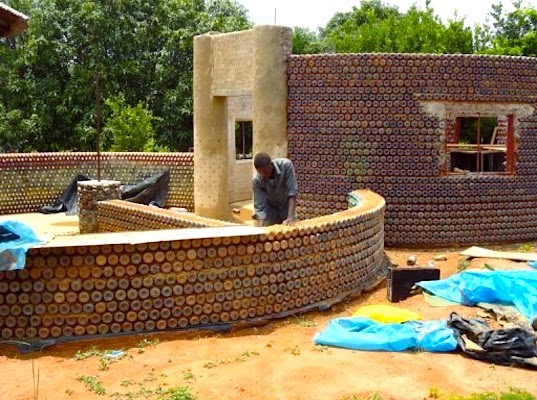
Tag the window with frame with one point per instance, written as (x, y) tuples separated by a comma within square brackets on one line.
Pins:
[(243, 140), (480, 144)]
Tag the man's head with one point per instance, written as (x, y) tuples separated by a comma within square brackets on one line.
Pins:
[(263, 164)]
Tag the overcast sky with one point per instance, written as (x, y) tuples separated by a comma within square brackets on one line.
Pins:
[(316, 13)]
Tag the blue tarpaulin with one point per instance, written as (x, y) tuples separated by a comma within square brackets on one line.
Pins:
[(13, 252), (516, 287), (366, 334)]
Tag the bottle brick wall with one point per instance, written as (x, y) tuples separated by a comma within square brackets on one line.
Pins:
[(29, 181), (123, 216), (357, 121), (211, 282)]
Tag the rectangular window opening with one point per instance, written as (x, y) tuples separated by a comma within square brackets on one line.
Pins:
[(243, 140), (480, 145)]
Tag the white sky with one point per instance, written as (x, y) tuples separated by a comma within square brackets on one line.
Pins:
[(316, 13)]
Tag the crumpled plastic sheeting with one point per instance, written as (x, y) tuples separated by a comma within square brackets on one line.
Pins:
[(516, 287), (367, 334), (511, 346), (13, 252)]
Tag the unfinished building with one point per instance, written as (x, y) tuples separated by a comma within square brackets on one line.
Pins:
[(447, 142)]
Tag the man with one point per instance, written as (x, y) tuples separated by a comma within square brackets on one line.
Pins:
[(275, 191)]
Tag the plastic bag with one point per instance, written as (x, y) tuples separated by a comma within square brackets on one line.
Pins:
[(353, 200), (386, 313), (13, 252)]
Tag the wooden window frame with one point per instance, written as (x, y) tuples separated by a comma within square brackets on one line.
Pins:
[(480, 149), (243, 154)]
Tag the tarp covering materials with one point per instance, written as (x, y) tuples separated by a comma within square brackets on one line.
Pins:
[(375, 327), (152, 190), (18, 238), (366, 334), (516, 287)]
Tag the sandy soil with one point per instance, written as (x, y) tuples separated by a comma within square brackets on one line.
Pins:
[(276, 361)]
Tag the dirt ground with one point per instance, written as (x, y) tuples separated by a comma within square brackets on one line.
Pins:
[(276, 361)]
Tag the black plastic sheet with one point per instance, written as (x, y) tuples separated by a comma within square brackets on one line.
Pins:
[(150, 191), (511, 346), (68, 201)]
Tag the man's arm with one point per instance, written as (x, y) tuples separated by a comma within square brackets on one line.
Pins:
[(292, 192), (260, 203), (291, 219)]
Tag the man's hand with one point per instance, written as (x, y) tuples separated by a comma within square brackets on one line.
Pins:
[(289, 221)]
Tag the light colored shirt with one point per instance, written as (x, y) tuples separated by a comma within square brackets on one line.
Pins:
[(275, 192)]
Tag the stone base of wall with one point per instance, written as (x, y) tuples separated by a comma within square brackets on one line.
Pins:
[(90, 193)]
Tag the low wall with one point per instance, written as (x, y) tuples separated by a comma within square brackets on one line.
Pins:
[(122, 216), (208, 278), (29, 181)]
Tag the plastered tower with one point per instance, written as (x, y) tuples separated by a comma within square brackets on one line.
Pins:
[(272, 47), (249, 64)]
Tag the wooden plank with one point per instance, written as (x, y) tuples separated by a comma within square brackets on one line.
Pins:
[(482, 252)]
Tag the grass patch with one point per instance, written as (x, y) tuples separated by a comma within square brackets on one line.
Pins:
[(374, 396), (189, 376), (511, 394), (293, 350), (322, 349), (106, 357), (93, 351), (525, 247), (463, 264), (93, 384), (177, 393), (302, 320), (146, 342)]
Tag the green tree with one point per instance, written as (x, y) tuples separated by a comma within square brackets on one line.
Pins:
[(515, 33), (16, 132), (141, 49), (130, 128), (306, 41), (377, 27)]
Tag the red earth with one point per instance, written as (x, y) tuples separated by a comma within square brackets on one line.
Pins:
[(276, 361)]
